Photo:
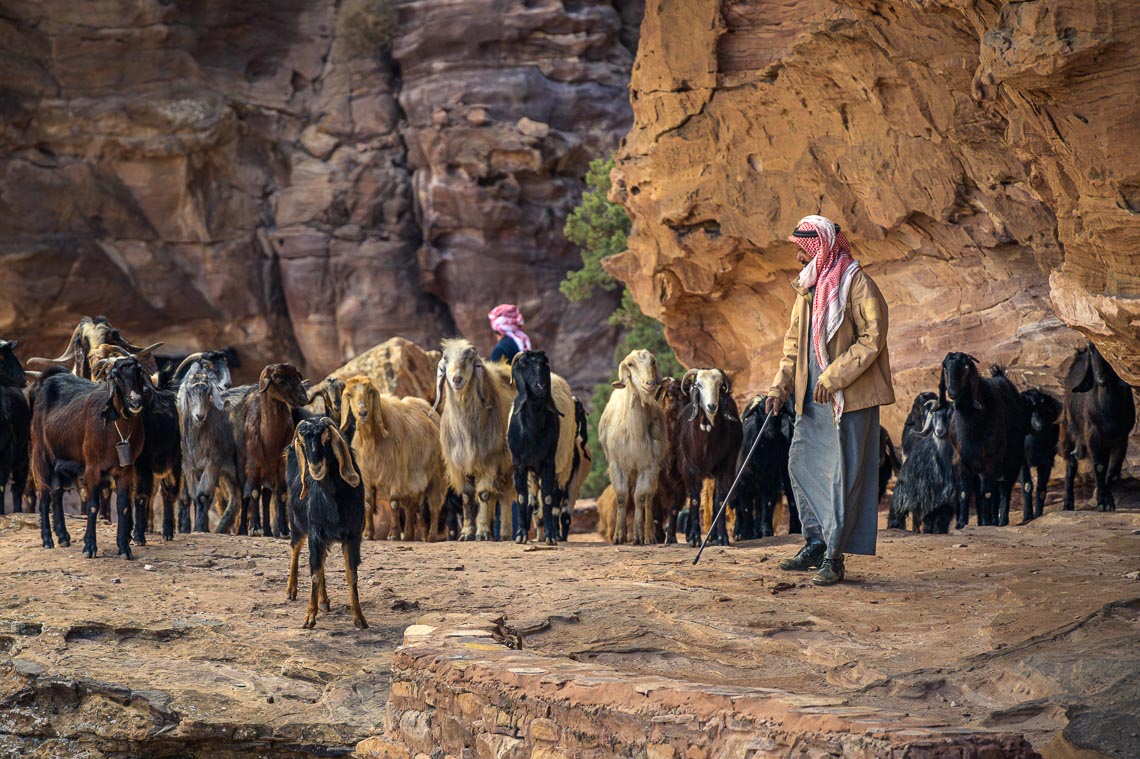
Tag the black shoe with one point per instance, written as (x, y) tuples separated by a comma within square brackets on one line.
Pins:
[(809, 557), (830, 572)]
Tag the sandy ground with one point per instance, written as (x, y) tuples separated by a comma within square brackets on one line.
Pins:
[(1026, 627)]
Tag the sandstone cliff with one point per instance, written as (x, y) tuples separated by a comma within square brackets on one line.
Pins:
[(981, 156), (217, 173)]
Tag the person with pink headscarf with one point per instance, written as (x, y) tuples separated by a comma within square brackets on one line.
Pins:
[(506, 322), (836, 368)]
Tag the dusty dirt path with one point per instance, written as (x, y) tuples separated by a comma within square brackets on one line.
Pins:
[(192, 648)]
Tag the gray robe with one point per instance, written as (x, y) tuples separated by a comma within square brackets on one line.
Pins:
[(835, 473)]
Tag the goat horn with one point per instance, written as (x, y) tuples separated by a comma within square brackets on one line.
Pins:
[(440, 370), (150, 348), (685, 378), (187, 361)]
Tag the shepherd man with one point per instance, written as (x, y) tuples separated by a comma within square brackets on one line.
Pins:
[(835, 366)]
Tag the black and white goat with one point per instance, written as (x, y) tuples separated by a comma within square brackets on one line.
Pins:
[(326, 503), (1099, 414), (709, 444)]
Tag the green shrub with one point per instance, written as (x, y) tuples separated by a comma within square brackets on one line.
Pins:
[(601, 228), (368, 27)]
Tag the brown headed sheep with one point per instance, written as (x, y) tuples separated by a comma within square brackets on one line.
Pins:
[(633, 436), (473, 433), (396, 447)]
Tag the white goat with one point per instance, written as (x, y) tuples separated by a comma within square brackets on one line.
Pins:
[(632, 434), (473, 434)]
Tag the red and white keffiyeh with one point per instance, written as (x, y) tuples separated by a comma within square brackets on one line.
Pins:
[(506, 319), (829, 271)]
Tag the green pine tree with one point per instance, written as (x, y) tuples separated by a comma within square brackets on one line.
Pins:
[(600, 228)]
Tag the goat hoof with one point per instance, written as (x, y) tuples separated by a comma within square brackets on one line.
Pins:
[(64, 542), (256, 533), (49, 544), (309, 624), (140, 540), (551, 542), (125, 553), (89, 552), (360, 624), (324, 606), (291, 595)]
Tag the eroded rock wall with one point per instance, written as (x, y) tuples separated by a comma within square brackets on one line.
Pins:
[(214, 173), (981, 156)]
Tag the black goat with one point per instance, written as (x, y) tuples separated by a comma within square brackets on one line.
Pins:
[(161, 460), (765, 475), (709, 444), (99, 425), (889, 462), (927, 487), (532, 437), (988, 431), (326, 503), (580, 469), (1099, 414), (1042, 411), (15, 426), (915, 420)]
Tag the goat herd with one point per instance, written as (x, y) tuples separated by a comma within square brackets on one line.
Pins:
[(343, 461)]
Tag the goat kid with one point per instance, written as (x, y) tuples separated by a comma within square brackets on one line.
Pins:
[(326, 505), (1042, 412)]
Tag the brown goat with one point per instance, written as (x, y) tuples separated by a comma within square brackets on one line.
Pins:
[(262, 419), (671, 493), (99, 425)]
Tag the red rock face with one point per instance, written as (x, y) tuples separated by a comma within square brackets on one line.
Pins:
[(982, 161), (217, 173)]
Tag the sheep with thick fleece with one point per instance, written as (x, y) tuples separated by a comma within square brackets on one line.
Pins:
[(473, 433), (396, 447), (633, 436)]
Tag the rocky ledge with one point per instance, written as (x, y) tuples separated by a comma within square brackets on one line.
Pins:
[(987, 642)]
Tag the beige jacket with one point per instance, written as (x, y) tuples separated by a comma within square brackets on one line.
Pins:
[(861, 367)]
